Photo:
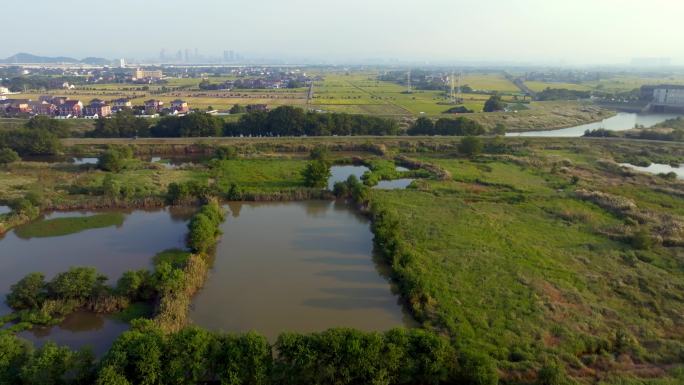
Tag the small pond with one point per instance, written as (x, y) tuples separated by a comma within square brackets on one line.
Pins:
[(296, 266), (341, 173), (657, 168), (394, 184), (78, 330), (80, 161), (111, 250)]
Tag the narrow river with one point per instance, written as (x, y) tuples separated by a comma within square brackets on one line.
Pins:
[(620, 122)]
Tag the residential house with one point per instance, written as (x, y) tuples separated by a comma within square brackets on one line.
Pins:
[(153, 106), (16, 106), (180, 106), (70, 108), (97, 109), (120, 104), (43, 108)]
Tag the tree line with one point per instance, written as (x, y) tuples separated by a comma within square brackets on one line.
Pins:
[(147, 355), (450, 127), (281, 121)]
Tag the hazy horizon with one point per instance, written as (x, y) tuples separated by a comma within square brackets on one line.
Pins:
[(583, 32)]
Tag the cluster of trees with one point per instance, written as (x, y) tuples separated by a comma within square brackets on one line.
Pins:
[(460, 127), (204, 227), (562, 94), (114, 158), (123, 124), (147, 355), (352, 189), (191, 125), (493, 104), (40, 136), (41, 302), (292, 121)]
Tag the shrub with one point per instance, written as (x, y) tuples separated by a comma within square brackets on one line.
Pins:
[(470, 146), (641, 239), (316, 173), (226, 153), (7, 156), (114, 159), (204, 227)]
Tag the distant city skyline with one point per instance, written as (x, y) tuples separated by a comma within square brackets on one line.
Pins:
[(430, 31)]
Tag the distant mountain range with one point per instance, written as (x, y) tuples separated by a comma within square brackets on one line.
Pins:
[(24, 58)]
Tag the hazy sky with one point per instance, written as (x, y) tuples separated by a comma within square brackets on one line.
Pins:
[(553, 31)]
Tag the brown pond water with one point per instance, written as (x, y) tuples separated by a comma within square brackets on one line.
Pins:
[(79, 330), (296, 266), (112, 251)]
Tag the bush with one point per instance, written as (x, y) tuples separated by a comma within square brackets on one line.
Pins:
[(641, 239), (552, 373), (7, 156), (114, 159), (226, 153), (204, 227), (317, 173), (470, 146), (477, 369)]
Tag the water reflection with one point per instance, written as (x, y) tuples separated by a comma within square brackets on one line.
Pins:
[(296, 266), (5, 210), (79, 330)]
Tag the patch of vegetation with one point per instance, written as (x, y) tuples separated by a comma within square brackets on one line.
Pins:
[(70, 225)]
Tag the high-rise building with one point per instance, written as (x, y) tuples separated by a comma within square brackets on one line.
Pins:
[(187, 55), (162, 55), (122, 63)]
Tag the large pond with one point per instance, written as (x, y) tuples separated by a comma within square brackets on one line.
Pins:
[(657, 168), (620, 122), (297, 266)]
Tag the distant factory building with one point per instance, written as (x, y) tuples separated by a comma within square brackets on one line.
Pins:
[(147, 74), (665, 97)]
